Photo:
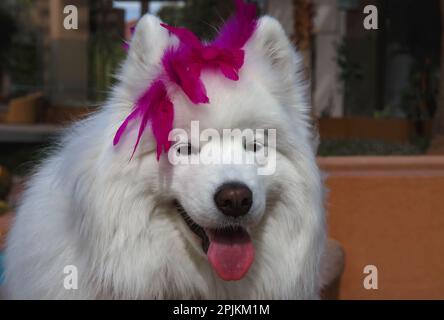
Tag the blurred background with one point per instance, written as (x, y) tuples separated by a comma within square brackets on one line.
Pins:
[(377, 96)]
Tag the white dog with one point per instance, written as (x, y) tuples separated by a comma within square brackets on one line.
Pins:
[(147, 229)]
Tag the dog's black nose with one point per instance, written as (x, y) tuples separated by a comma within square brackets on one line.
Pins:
[(234, 199)]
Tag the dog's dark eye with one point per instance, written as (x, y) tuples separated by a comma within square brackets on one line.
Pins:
[(185, 149), (253, 146)]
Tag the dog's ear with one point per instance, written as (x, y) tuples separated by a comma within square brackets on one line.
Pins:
[(148, 42), (271, 42), (143, 62)]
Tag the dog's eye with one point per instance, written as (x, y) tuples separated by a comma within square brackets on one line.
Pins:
[(253, 146), (185, 149)]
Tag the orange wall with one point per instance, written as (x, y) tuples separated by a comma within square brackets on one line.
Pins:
[(389, 212)]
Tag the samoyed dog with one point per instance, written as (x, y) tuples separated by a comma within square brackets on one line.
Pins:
[(96, 223)]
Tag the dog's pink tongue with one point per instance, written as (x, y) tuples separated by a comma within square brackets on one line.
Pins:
[(231, 253)]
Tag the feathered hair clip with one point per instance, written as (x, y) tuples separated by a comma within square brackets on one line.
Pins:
[(183, 66)]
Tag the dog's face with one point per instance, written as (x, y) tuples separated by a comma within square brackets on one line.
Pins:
[(216, 194), (221, 196)]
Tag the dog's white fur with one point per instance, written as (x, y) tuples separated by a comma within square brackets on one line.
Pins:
[(89, 206)]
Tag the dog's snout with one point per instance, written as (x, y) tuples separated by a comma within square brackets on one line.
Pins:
[(233, 199)]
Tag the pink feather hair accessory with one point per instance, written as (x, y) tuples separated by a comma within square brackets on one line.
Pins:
[(183, 65)]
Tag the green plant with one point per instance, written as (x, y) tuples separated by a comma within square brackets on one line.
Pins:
[(18, 53), (203, 17), (106, 51), (106, 56), (5, 182), (355, 147), (21, 159), (419, 100), (3, 207), (387, 112), (8, 28), (350, 70)]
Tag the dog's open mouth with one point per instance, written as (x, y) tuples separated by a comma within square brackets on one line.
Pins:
[(229, 250)]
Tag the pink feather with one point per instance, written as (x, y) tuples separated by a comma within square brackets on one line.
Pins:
[(239, 28), (184, 68), (155, 106)]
